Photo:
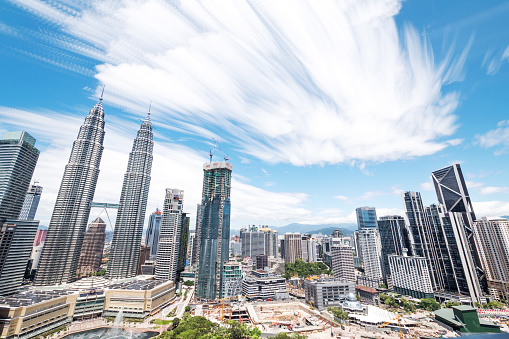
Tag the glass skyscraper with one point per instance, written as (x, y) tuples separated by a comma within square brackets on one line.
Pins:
[(366, 217), (394, 237), (31, 203), (125, 246), (62, 249), (152, 235), (214, 229)]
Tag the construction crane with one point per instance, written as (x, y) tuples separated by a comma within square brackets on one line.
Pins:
[(399, 325), (216, 146)]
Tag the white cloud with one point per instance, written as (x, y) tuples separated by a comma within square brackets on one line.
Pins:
[(474, 184), (287, 81), (427, 186), (491, 209), (174, 166), (493, 190), (371, 195), (380, 212), (493, 61), (495, 137), (341, 197)]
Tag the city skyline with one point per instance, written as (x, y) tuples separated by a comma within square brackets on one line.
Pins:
[(286, 184)]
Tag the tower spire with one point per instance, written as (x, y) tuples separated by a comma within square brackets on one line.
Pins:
[(149, 107), (101, 98)]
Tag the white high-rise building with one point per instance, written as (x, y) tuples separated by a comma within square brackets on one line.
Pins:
[(342, 263), (169, 237), (410, 275), (293, 247), (492, 237), (371, 248)]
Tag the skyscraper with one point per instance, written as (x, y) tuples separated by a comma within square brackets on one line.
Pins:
[(62, 249), (196, 242), (93, 246), (169, 238), (342, 262), (152, 235), (184, 240), (252, 242), (18, 157), (32, 198), (214, 229), (366, 217), (394, 237), (371, 247), (125, 246), (453, 195), (292, 247), (493, 240)]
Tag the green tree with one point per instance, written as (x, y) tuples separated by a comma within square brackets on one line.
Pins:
[(305, 269), (284, 335), (187, 309), (478, 305), (338, 312), (450, 304), (189, 283), (382, 286), (429, 304), (495, 304)]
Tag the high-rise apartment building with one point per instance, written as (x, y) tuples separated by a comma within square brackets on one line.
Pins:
[(371, 247), (18, 157), (125, 246), (62, 248), (254, 242), (394, 237), (453, 195), (366, 217), (93, 246), (292, 247), (196, 242), (190, 246), (492, 237), (410, 275), (32, 198), (342, 263), (169, 238), (214, 229), (152, 235), (184, 240)]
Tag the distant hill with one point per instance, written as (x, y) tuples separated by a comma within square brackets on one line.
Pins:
[(329, 230)]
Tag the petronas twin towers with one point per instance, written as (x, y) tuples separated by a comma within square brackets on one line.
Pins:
[(61, 252)]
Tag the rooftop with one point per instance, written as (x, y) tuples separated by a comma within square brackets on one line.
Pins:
[(366, 289), (28, 298), (137, 285)]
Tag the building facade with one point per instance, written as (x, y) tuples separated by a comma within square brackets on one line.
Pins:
[(342, 263), (32, 198), (214, 229), (394, 237), (371, 247), (323, 292), (492, 237), (410, 276), (40, 237), (152, 235), (263, 285), (62, 248), (169, 239), (126, 241), (366, 217), (92, 249), (184, 240), (232, 278), (292, 247)]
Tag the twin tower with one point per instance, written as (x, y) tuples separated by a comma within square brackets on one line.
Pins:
[(61, 252)]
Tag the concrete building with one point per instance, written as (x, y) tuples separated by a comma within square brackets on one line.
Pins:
[(262, 262), (492, 237), (32, 198), (62, 248), (464, 320), (292, 247), (368, 295), (264, 285), (190, 246), (92, 248), (410, 276), (366, 217), (371, 248), (232, 278), (153, 230), (322, 293), (169, 238), (144, 256), (16, 239), (342, 263), (40, 237), (184, 239), (148, 268), (214, 229), (126, 241), (258, 241)]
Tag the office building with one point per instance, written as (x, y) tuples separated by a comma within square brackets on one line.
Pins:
[(92, 249), (184, 239), (323, 292), (262, 262), (264, 285), (32, 198), (125, 246), (18, 157), (169, 238), (342, 263), (40, 237), (152, 235), (191, 247), (337, 234), (394, 237), (368, 295), (256, 242), (282, 248), (232, 279), (371, 247), (270, 241), (214, 229), (16, 239), (492, 237), (292, 247), (453, 195), (196, 243), (148, 268), (144, 256), (62, 248), (366, 217), (410, 276)]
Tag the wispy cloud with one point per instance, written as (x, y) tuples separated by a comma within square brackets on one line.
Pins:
[(498, 137), (287, 81), (493, 190), (493, 60)]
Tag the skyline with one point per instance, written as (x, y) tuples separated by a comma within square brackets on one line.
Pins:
[(294, 160)]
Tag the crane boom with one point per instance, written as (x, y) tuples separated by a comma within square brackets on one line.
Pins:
[(216, 146)]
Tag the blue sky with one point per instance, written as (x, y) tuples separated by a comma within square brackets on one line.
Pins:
[(322, 106)]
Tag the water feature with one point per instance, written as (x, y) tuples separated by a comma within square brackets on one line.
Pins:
[(113, 333)]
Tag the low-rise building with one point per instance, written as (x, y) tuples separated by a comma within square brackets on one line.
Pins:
[(324, 292), (264, 285), (368, 295)]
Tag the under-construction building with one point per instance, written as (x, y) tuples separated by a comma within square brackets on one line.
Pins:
[(213, 231)]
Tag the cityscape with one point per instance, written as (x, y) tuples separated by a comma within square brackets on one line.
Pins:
[(104, 232)]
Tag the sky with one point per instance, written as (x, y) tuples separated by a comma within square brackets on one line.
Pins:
[(321, 106)]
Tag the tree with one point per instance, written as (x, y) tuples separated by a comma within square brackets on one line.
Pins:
[(429, 304), (284, 335), (189, 283), (338, 312), (305, 269), (495, 304), (478, 305), (450, 304), (187, 309), (358, 297), (382, 286)]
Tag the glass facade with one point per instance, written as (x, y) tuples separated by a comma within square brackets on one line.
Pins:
[(366, 217)]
